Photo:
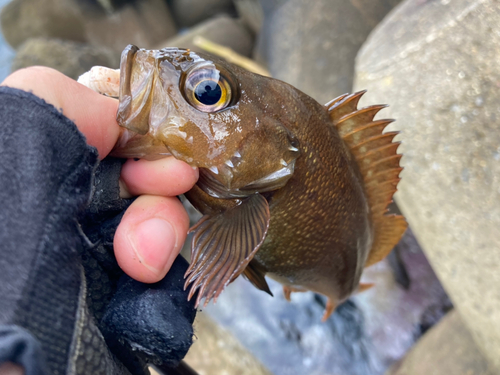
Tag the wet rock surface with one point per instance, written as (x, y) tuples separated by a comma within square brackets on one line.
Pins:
[(24, 19), (190, 12), (251, 13), (448, 348), (70, 58), (312, 45), (223, 30), (143, 23), (436, 62)]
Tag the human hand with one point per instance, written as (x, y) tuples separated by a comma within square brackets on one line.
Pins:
[(154, 227)]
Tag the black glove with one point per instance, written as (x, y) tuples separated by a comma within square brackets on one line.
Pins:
[(65, 305)]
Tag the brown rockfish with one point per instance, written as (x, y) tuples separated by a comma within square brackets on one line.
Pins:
[(289, 188)]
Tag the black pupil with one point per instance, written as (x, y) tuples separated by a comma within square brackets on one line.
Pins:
[(208, 92)]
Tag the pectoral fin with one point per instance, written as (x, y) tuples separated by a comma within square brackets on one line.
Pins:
[(224, 244)]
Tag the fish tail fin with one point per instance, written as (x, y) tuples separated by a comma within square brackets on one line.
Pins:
[(378, 161)]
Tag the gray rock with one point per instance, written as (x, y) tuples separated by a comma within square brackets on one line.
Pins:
[(190, 12), (144, 23), (436, 64), (70, 58), (313, 44), (271, 6), (251, 13), (111, 5), (217, 351), (24, 19), (223, 30), (448, 348)]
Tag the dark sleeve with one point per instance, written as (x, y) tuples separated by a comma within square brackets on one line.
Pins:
[(45, 179), (56, 282)]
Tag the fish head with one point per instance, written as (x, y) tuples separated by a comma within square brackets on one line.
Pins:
[(212, 115)]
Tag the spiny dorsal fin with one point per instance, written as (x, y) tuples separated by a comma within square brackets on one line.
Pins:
[(378, 161)]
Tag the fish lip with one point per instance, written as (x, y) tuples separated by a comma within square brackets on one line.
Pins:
[(209, 183)]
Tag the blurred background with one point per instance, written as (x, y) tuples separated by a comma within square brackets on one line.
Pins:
[(437, 63)]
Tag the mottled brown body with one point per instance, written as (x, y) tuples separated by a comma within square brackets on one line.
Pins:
[(288, 187), (320, 231)]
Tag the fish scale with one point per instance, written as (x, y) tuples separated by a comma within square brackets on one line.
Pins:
[(326, 230)]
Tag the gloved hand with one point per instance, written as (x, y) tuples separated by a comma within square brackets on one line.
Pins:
[(66, 304)]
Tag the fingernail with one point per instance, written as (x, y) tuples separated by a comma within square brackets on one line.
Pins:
[(196, 171), (124, 193), (154, 242)]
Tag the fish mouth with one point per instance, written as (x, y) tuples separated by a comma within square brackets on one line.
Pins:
[(210, 183)]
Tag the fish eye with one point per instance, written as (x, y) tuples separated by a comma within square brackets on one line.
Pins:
[(207, 90)]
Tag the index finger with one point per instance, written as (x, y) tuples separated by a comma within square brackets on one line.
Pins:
[(166, 177), (93, 114)]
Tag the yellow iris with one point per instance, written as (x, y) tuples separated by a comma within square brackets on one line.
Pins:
[(207, 90)]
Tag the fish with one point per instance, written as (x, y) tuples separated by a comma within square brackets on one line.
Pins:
[(288, 188)]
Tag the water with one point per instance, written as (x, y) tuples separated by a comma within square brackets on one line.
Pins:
[(365, 336), (6, 52)]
